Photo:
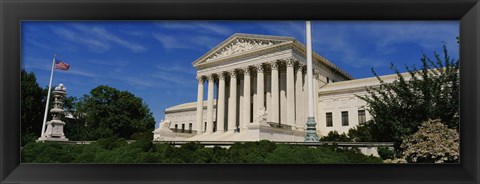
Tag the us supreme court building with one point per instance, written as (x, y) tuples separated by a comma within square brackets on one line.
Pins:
[(256, 89)]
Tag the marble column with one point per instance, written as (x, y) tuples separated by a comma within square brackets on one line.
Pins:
[(299, 122), (246, 97), (199, 121), (275, 93), (209, 128), (221, 103), (232, 101), (260, 90), (290, 94)]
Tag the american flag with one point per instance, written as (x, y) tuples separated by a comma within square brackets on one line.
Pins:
[(61, 65)]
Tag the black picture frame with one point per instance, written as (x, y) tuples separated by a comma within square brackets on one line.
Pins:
[(13, 12)]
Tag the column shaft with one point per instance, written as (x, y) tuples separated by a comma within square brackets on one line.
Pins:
[(246, 98), (221, 104), (199, 105), (290, 94), (299, 99), (210, 105), (275, 95), (260, 90), (232, 102)]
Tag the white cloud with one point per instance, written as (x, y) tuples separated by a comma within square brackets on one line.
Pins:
[(102, 33), (285, 28), (197, 26), (93, 44), (172, 78), (176, 68), (74, 71), (171, 42), (196, 35), (37, 63), (139, 82), (97, 38), (119, 63), (187, 41), (37, 44)]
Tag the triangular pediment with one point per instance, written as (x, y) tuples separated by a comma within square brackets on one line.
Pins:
[(239, 44)]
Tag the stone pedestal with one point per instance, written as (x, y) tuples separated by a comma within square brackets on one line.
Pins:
[(54, 130)]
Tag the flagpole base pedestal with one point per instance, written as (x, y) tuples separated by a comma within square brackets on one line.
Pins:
[(311, 135)]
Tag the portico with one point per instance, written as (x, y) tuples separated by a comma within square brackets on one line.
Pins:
[(252, 97)]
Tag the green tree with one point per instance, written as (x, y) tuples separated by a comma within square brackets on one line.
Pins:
[(398, 108), (32, 107), (107, 112)]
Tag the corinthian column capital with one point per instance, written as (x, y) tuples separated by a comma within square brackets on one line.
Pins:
[(221, 75), (300, 67), (210, 77), (246, 70), (232, 73), (274, 65), (200, 78), (259, 68), (290, 62)]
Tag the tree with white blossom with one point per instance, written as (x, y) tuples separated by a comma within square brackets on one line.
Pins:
[(434, 142)]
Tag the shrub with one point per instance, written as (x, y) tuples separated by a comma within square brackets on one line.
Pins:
[(334, 136), (386, 153), (434, 142), (143, 144), (111, 143), (114, 150)]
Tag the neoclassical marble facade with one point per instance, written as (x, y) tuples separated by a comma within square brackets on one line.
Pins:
[(247, 76)]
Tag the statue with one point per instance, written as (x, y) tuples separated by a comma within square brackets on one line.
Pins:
[(261, 116), (165, 124)]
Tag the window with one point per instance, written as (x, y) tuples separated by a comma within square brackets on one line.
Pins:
[(329, 119), (344, 118), (328, 80), (183, 128), (361, 117), (190, 128), (176, 128)]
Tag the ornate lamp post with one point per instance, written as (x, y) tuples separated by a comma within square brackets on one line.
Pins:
[(54, 130), (311, 135)]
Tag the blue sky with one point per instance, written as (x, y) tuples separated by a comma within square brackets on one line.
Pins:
[(152, 59)]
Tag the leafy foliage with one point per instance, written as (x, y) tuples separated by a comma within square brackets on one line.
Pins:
[(398, 108), (32, 107), (434, 142), (107, 112), (386, 153), (334, 136), (363, 132), (143, 151)]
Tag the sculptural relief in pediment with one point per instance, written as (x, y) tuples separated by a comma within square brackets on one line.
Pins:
[(240, 45)]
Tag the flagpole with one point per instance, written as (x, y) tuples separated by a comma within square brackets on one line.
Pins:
[(48, 97), (311, 133)]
